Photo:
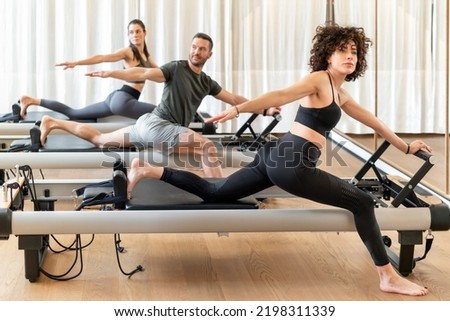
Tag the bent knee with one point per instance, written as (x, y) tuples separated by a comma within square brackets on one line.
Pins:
[(363, 203), (205, 146)]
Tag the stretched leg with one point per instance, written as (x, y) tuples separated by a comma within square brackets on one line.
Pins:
[(291, 165), (322, 187), (191, 142), (244, 182), (93, 111), (118, 138), (345, 195)]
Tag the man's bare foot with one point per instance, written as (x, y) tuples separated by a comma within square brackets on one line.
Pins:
[(391, 281), (25, 102), (46, 127), (139, 170)]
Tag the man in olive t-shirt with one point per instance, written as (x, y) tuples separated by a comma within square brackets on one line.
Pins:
[(166, 127)]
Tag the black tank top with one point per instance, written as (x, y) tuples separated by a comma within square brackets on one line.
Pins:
[(144, 64), (322, 120)]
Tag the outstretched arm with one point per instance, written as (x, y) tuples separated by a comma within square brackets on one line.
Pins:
[(271, 100), (131, 74), (96, 59), (230, 98), (356, 111), (233, 100)]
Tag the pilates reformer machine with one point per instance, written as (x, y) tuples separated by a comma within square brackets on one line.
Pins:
[(15, 129), (68, 151), (157, 207)]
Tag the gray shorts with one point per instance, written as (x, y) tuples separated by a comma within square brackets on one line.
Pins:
[(151, 131)]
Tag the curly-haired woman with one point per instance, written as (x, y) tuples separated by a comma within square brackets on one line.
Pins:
[(338, 55)]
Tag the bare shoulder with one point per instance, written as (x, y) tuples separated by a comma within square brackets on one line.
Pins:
[(318, 76), (127, 53), (345, 98), (315, 81)]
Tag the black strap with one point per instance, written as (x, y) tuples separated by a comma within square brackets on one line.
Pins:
[(35, 141), (117, 195), (119, 165), (102, 199), (25, 148), (9, 117), (428, 243), (80, 191)]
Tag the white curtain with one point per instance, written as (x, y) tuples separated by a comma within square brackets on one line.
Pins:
[(260, 45)]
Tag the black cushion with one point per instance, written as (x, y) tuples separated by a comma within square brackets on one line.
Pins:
[(151, 194)]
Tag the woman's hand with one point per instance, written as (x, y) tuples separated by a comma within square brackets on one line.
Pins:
[(273, 111), (227, 114), (233, 112), (66, 65), (417, 145)]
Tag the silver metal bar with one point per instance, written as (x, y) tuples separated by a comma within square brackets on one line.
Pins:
[(23, 129), (204, 221), (62, 189), (229, 157)]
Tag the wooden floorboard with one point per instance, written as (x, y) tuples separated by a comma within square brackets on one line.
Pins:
[(292, 266)]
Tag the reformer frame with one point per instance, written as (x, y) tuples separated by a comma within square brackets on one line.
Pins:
[(406, 213), (19, 131)]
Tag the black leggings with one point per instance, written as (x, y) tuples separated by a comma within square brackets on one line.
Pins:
[(290, 163), (121, 102)]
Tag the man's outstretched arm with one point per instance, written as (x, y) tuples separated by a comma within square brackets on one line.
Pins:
[(131, 74)]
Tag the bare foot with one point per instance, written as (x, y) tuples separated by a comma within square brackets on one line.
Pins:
[(139, 170), (391, 281), (46, 127), (25, 102)]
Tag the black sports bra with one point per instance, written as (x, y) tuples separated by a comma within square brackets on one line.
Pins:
[(322, 120), (144, 64)]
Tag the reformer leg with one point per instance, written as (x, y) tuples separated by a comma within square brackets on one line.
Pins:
[(34, 247), (404, 262)]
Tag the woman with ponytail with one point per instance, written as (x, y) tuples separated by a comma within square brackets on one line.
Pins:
[(123, 101)]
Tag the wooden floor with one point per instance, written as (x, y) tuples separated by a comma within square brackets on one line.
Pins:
[(290, 266)]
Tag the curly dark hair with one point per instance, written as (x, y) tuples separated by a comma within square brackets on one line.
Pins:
[(331, 37)]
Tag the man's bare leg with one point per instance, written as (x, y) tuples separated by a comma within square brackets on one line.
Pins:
[(210, 161), (25, 102), (191, 142), (391, 281), (118, 138)]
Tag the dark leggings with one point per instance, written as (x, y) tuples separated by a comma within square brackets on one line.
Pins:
[(122, 102), (290, 163)]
